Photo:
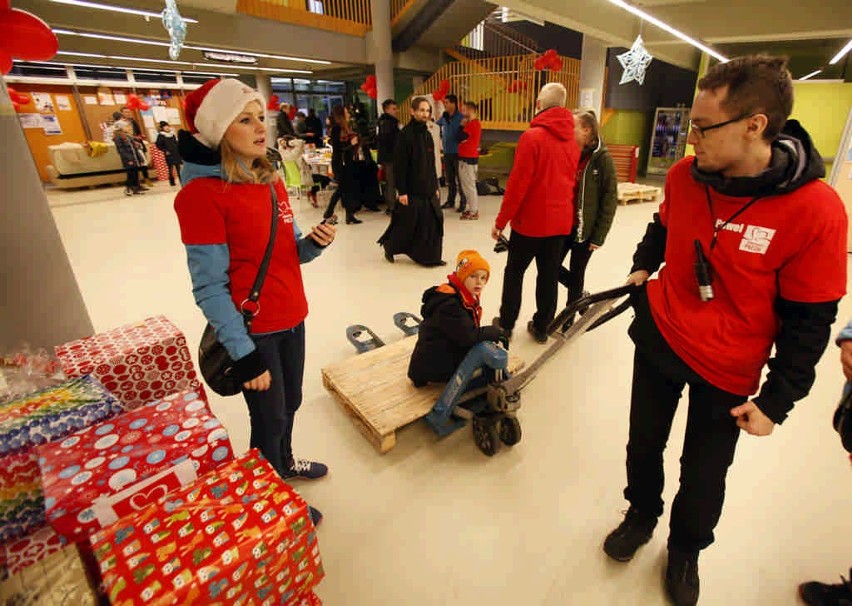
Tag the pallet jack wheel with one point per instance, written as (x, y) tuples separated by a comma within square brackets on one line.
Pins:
[(510, 431), (486, 435)]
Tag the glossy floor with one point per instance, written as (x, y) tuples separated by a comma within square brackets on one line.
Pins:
[(436, 522)]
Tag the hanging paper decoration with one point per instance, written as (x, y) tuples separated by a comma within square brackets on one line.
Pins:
[(635, 62), (443, 90), (550, 60), (369, 87), (176, 27), (25, 36)]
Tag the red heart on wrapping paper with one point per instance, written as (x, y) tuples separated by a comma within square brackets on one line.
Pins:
[(141, 500)]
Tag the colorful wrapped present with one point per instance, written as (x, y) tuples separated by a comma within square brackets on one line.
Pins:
[(32, 549), (41, 417), (97, 475), (139, 362), (238, 535), (58, 578)]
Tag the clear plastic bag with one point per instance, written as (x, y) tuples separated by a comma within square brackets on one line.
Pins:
[(25, 371)]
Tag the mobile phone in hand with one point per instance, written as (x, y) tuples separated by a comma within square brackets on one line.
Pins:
[(332, 220)]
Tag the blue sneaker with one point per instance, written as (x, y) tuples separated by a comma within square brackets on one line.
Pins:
[(301, 469)]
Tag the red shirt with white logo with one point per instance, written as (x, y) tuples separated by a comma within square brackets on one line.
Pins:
[(212, 211), (791, 246)]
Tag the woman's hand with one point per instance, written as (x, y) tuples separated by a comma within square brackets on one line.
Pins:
[(638, 278), (354, 140), (260, 383), (323, 234)]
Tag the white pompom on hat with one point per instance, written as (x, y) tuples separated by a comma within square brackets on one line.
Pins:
[(212, 108)]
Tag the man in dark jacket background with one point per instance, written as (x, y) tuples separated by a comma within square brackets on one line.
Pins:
[(417, 224), (749, 218), (388, 133), (451, 125), (314, 128), (539, 204)]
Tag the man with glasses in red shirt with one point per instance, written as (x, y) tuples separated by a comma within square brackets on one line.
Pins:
[(754, 252)]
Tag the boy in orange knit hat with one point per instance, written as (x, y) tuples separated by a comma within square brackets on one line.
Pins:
[(451, 344)]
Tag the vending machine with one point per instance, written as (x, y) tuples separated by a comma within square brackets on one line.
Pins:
[(668, 139)]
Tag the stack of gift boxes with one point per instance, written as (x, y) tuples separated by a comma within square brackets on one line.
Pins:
[(121, 485)]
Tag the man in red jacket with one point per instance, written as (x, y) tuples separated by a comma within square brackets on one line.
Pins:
[(539, 204)]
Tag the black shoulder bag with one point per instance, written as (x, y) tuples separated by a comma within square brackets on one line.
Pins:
[(842, 420), (217, 367)]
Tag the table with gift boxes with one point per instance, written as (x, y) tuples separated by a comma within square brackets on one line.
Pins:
[(120, 486)]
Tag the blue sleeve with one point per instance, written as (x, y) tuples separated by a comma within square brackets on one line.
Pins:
[(845, 334), (441, 121), (307, 247), (208, 268)]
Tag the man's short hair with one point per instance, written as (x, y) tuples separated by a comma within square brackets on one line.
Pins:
[(472, 105), (387, 103), (452, 99), (416, 101), (552, 94), (116, 115), (757, 84)]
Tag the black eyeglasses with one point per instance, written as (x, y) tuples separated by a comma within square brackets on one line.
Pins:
[(701, 131)]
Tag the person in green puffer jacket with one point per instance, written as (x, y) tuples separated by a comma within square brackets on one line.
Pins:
[(595, 201)]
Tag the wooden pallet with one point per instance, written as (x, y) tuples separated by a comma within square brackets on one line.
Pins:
[(634, 192), (375, 392)]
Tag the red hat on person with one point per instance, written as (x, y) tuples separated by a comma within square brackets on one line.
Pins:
[(211, 108)]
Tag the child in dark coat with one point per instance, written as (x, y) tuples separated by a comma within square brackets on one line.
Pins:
[(451, 345), (167, 143), (131, 159)]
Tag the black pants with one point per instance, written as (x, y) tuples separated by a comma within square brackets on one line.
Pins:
[(659, 377), (451, 167), (574, 276), (273, 412), (174, 169), (547, 253), (389, 192), (132, 182)]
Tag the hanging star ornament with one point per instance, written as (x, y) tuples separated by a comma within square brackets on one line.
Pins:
[(176, 27), (635, 62)]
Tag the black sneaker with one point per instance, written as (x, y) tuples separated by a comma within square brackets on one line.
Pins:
[(823, 594), (389, 257), (682, 578), (539, 336), (315, 515), (631, 534), (448, 205), (506, 331), (305, 470)]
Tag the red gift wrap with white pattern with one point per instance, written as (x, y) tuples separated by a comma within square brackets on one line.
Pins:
[(138, 363), (24, 552)]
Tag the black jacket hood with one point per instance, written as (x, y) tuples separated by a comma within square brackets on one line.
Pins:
[(795, 162), (433, 299), (193, 150)]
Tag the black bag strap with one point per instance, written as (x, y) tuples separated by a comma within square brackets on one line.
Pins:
[(254, 293)]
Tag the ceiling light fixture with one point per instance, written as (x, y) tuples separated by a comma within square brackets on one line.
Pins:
[(117, 9), (810, 75), (94, 55), (68, 32), (666, 27), (842, 53), (261, 55), (230, 57)]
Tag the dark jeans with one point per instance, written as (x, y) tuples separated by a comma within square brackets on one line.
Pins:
[(174, 171), (659, 377), (574, 276), (547, 253), (451, 168), (273, 412), (132, 182)]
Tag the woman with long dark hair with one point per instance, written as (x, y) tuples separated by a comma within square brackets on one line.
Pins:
[(345, 147)]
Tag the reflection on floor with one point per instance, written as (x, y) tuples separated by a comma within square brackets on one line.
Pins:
[(436, 522)]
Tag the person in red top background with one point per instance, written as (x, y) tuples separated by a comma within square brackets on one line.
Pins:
[(470, 136), (539, 204), (749, 215)]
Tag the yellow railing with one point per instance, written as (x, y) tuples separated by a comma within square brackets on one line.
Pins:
[(399, 8), (341, 16), (488, 82)]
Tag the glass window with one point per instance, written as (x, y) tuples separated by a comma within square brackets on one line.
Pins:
[(155, 76), (89, 73)]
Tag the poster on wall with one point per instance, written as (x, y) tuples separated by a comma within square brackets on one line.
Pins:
[(105, 98), (120, 98), (587, 98), (90, 100), (30, 120), (173, 115), (63, 103), (50, 124), (43, 103), (148, 121), (160, 114)]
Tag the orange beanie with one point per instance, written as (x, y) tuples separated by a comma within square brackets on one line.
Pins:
[(468, 262)]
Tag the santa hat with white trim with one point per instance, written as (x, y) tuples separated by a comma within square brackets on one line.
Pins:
[(210, 109)]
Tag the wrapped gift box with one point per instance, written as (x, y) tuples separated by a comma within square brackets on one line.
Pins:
[(238, 535), (97, 475), (58, 578), (43, 416), (139, 362), (30, 550)]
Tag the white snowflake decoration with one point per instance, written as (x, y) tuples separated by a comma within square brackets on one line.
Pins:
[(635, 62), (176, 27)]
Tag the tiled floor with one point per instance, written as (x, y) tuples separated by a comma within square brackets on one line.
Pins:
[(436, 522)]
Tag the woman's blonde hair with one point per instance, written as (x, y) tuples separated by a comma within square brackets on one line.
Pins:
[(588, 119), (236, 171)]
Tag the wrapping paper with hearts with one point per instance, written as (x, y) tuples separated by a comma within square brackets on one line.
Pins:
[(43, 416), (58, 578), (139, 362), (106, 463), (239, 535), (32, 549)]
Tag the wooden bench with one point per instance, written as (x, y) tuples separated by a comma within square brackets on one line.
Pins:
[(375, 392)]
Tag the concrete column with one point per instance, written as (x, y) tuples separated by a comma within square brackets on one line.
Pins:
[(40, 301), (264, 87), (592, 73), (380, 49)]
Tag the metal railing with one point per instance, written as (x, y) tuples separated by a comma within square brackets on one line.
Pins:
[(342, 16)]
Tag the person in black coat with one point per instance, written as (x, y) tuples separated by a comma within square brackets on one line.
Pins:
[(167, 143), (451, 345), (388, 134), (283, 125), (138, 136), (417, 223), (131, 158), (345, 149), (314, 129)]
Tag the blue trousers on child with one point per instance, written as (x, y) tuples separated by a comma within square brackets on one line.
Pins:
[(483, 356)]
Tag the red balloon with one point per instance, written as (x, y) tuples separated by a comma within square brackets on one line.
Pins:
[(16, 106), (144, 106), (371, 81), (444, 86), (272, 104), (292, 112), (26, 36), (5, 62)]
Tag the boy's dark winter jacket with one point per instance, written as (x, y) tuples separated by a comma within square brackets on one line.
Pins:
[(168, 144), (447, 333)]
